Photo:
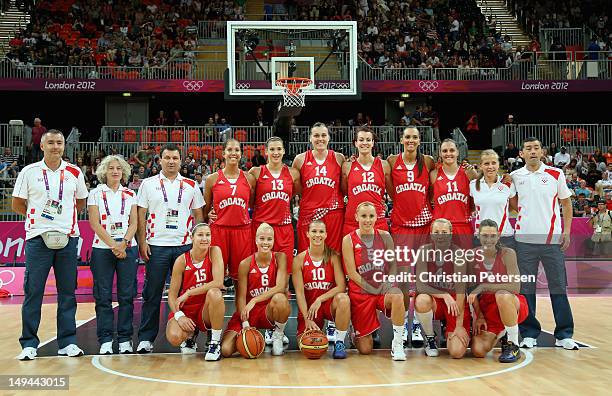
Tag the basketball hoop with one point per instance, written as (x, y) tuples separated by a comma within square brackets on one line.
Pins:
[(293, 90)]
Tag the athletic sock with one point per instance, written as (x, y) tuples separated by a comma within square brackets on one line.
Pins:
[(398, 332), (513, 334), (216, 336), (340, 335), (426, 320), (279, 328)]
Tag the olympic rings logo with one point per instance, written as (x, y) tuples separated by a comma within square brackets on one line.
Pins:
[(3, 279), (428, 86), (193, 85), (243, 85)]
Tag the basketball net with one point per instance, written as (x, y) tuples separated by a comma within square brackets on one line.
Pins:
[(293, 90)]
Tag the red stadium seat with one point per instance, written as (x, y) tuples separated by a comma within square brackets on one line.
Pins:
[(133, 75), (195, 150), (129, 136), (248, 151), (219, 152), (567, 135), (146, 136), (161, 136), (208, 150), (177, 136), (240, 135), (581, 135), (193, 135), (262, 149)]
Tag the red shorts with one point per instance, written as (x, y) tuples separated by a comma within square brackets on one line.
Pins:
[(489, 309), (257, 319), (333, 221), (323, 314), (441, 313), (236, 244), (193, 312), (381, 225), (363, 312), (283, 241), (463, 235), (410, 237)]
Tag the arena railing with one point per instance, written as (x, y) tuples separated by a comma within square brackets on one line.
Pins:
[(212, 30), (578, 136), (462, 143), (595, 65), (566, 36)]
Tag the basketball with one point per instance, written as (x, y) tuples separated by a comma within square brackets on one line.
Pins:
[(250, 343), (313, 344)]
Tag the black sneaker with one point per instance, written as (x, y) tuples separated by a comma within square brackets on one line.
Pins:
[(189, 346), (503, 342), (510, 354), (376, 339)]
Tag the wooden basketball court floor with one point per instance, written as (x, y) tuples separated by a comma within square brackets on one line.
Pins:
[(541, 371)]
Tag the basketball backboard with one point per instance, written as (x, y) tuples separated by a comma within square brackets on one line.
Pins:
[(261, 52)]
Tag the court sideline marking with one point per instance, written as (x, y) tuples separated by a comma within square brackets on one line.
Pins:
[(95, 361)]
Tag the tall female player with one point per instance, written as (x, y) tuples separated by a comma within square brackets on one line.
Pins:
[(229, 192), (499, 307), (260, 299), (319, 288), (276, 185), (369, 291), (492, 196), (365, 180), (320, 173), (451, 193), (411, 216), (194, 297)]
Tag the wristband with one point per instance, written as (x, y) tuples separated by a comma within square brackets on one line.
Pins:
[(178, 315), (245, 324)]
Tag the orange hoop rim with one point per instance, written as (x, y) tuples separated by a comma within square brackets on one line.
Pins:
[(293, 84)]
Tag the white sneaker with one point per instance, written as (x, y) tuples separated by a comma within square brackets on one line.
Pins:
[(189, 348), (126, 347), (405, 335), (277, 344), (71, 350), (214, 352), (528, 343), (397, 351), (268, 336), (28, 353), (567, 343), (106, 348), (331, 332), (285, 339), (145, 347), (431, 349), (417, 335)]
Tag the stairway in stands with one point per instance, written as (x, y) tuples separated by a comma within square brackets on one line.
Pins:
[(504, 21), (254, 10), (10, 22), (474, 156)]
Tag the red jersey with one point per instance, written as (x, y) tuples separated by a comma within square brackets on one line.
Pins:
[(273, 196), (441, 273), (451, 197), (498, 268), (364, 260), (365, 185), (318, 279), (231, 200), (411, 206), (195, 275), (320, 187), (260, 280)]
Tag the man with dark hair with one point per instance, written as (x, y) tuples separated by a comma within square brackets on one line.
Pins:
[(173, 204), (540, 190)]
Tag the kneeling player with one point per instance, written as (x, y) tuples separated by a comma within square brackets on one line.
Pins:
[(319, 288), (198, 274), (368, 290), (260, 298), (439, 294), (499, 307)]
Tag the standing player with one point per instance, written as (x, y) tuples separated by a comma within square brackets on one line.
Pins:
[(195, 297), (229, 192), (319, 288), (368, 290), (260, 299), (364, 180), (491, 196), (451, 193), (411, 215), (498, 306), (320, 172), (276, 185), (168, 203), (439, 295)]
